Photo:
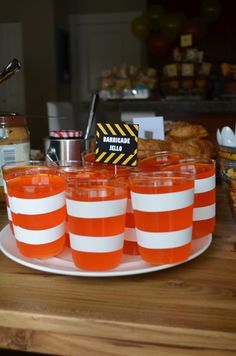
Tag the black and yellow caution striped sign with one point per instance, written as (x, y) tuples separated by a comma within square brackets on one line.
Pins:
[(117, 144)]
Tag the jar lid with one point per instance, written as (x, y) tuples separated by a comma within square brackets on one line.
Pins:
[(65, 134), (11, 120)]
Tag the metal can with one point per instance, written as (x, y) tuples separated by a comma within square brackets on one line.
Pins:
[(14, 142), (67, 145)]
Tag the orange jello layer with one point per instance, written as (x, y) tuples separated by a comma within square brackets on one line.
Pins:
[(35, 186), (164, 221), (92, 261), (98, 226)]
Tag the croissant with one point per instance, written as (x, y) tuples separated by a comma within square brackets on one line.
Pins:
[(194, 147), (185, 131), (147, 148)]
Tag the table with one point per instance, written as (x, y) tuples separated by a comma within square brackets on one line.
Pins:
[(186, 310)]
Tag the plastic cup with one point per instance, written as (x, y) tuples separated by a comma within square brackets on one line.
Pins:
[(112, 169), (204, 193), (163, 206), (96, 214), (8, 172), (6, 169), (130, 237), (155, 162), (36, 197), (73, 170)]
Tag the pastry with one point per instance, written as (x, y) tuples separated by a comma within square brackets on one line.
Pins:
[(193, 147), (148, 148), (187, 130)]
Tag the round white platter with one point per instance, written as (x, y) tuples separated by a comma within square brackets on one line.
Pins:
[(63, 264)]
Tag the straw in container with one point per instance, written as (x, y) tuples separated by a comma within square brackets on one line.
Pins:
[(92, 111)]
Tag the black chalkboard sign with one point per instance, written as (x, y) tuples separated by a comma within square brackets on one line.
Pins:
[(117, 144)]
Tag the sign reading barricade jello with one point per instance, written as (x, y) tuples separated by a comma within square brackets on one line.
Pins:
[(117, 144)]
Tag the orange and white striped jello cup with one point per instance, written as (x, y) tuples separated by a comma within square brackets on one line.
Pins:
[(204, 193), (7, 206), (8, 172), (130, 241), (163, 210), (150, 164), (70, 170), (157, 161), (36, 197), (130, 238), (96, 214)]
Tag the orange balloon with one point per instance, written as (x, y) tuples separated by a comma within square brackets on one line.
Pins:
[(195, 28), (159, 45)]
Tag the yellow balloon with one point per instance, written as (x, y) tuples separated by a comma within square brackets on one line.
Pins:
[(140, 27), (155, 14), (211, 10), (172, 25)]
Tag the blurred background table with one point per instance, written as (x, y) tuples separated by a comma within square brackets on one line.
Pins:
[(186, 310)]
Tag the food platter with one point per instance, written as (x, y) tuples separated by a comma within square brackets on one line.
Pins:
[(62, 264)]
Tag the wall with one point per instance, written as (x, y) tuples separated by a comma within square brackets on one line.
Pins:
[(103, 6), (40, 21), (61, 11), (37, 20), (76, 7)]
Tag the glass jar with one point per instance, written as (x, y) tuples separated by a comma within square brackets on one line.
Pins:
[(14, 142)]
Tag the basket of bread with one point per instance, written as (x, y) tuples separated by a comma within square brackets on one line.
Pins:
[(189, 139)]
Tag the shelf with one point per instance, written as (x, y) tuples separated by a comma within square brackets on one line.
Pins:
[(171, 106)]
